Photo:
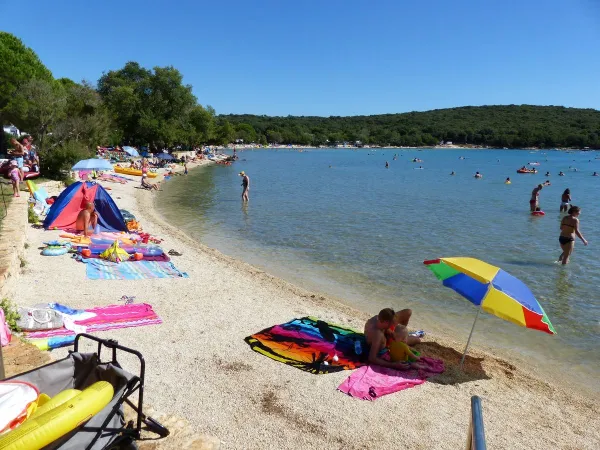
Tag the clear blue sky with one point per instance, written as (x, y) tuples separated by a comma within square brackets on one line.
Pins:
[(331, 57)]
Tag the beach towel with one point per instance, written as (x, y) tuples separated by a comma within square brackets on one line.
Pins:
[(98, 269), (311, 345), (102, 318), (371, 382)]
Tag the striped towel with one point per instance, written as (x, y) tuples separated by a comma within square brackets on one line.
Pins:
[(99, 269), (106, 318)]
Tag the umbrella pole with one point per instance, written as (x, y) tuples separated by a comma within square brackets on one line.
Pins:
[(469, 340)]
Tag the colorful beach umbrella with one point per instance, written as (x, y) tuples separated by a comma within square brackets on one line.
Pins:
[(493, 290)]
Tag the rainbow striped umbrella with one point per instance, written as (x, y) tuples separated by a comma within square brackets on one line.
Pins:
[(493, 290)]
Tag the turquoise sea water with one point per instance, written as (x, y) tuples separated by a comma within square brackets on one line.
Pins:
[(361, 232)]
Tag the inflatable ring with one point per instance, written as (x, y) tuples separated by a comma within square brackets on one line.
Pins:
[(54, 251)]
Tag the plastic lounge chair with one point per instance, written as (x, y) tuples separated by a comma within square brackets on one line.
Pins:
[(107, 429)]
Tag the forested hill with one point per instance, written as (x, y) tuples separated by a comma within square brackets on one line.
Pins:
[(510, 126)]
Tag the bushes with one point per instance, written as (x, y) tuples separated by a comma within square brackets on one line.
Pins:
[(11, 314), (57, 162)]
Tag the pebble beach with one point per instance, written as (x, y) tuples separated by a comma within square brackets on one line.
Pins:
[(199, 370)]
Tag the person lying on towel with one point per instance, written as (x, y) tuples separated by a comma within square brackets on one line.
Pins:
[(87, 220), (379, 335)]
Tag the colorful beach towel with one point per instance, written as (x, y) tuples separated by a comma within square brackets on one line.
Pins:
[(372, 382), (104, 318), (311, 345), (98, 269)]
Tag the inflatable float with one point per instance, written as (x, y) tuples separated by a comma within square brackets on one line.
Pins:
[(527, 171), (507, 182), (135, 172), (538, 213), (150, 250), (45, 428)]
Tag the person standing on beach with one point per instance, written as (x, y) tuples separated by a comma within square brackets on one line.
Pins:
[(245, 186), (569, 228), (534, 202), (565, 199)]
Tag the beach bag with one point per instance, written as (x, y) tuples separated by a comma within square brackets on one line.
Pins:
[(38, 319), (5, 335)]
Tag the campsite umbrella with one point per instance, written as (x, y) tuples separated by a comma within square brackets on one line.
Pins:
[(166, 156), (93, 164), (493, 290), (130, 151)]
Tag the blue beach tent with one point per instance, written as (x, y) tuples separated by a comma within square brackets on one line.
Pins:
[(63, 213)]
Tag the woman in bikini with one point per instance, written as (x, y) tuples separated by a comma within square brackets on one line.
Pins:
[(569, 228), (565, 199)]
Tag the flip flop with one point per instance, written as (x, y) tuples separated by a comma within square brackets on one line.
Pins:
[(174, 253)]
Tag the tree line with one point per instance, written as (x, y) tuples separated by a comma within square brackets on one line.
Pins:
[(153, 107), (511, 126)]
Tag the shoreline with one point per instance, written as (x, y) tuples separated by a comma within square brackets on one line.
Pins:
[(199, 367)]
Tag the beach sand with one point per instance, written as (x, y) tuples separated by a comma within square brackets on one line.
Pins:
[(200, 370)]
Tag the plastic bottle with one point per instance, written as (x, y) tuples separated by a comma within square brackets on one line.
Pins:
[(357, 347)]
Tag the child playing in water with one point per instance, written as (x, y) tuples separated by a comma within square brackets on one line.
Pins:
[(399, 349)]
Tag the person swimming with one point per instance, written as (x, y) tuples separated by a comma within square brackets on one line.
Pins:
[(453, 173), (596, 174), (547, 174), (478, 175), (507, 181), (561, 174), (387, 165)]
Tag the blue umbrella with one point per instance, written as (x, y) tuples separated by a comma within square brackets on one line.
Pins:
[(130, 151), (93, 164), (166, 156)]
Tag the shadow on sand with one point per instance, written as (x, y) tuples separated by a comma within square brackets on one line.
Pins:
[(472, 369)]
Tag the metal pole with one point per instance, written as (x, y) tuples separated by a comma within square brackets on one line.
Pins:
[(476, 436), (469, 340)]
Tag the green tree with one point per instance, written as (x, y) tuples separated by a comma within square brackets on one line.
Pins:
[(225, 133), (245, 132), (18, 64)]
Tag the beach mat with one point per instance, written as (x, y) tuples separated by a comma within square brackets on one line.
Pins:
[(99, 269), (372, 382), (102, 318), (311, 345)]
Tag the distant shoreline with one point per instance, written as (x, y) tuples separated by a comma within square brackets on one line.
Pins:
[(425, 147)]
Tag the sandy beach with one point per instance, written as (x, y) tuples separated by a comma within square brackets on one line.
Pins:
[(199, 369)]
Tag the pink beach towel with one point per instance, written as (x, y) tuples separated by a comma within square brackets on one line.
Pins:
[(107, 318), (371, 382)]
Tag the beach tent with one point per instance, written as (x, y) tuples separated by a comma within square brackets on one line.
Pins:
[(64, 211)]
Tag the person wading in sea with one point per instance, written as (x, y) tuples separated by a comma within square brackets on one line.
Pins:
[(534, 202), (569, 228), (245, 186)]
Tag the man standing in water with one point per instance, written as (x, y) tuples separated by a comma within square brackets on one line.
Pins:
[(534, 202), (375, 335), (245, 185)]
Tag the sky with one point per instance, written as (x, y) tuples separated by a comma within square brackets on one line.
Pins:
[(330, 57)]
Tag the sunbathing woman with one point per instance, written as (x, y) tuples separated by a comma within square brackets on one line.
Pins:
[(569, 228)]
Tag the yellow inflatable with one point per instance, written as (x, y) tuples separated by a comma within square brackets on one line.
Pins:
[(507, 182), (41, 430), (46, 403), (136, 172)]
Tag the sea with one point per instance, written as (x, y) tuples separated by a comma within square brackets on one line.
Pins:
[(339, 222)]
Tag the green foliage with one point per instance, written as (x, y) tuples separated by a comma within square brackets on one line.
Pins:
[(32, 217), (18, 64), (11, 314), (59, 159), (510, 126), (154, 107)]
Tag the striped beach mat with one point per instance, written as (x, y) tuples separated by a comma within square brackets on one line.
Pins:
[(311, 345), (99, 269)]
